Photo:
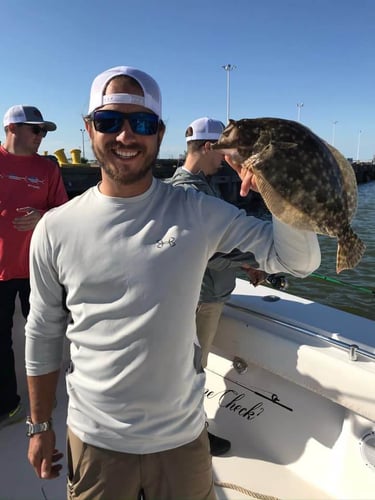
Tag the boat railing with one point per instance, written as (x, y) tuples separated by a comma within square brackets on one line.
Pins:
[(353, 350)]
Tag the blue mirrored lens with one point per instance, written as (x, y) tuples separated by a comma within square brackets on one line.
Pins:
[(143, 123), (111, 122)]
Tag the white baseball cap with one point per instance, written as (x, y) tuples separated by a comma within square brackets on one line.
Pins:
[(151, 98), (205, 129), (27, 114)]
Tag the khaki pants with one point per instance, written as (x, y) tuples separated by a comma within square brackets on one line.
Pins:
[(207, 319), (183, 473)]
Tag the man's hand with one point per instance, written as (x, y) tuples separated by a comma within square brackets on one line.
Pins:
[(28, 221), (43, 456), (247, 176), (256, 276)]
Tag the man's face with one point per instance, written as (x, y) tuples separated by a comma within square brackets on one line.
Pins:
[(28, 137), (213, 160), (126, 158)]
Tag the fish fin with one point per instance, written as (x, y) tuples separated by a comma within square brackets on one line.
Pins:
[(350, 250)]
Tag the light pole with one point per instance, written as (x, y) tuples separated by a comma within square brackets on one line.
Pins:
[(359, 143), (299, 106), (228, 68), (83, 141), (334, 131)]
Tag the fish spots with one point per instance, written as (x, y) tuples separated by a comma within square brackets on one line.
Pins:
[(297, 169)]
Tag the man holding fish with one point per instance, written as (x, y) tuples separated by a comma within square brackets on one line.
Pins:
[(118, 270)]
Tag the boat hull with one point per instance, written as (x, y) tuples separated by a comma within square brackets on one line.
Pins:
[(282, 388)]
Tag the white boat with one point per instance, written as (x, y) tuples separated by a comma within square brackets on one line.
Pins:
[(290, 383)]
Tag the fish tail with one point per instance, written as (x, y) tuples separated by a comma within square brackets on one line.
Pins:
[(350, 250)]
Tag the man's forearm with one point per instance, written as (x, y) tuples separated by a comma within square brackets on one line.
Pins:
[(42, 391)]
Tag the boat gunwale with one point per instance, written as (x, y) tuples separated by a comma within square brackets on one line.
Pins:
[(352, 348)]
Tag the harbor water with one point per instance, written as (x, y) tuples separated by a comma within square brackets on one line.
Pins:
[(352, 290)]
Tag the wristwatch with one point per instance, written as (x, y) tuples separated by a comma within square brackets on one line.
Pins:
[(37, 428)]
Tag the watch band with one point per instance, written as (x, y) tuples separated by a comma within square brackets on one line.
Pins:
[(37, 428)]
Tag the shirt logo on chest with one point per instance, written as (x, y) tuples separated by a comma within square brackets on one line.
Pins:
[(31, 181), (171, 242)]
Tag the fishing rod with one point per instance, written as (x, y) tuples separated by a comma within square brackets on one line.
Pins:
[(340, 282), (281, 283)]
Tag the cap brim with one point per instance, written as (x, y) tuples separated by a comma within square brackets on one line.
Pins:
[(50, 126)]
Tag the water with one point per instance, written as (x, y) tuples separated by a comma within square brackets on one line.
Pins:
[(347, 295)]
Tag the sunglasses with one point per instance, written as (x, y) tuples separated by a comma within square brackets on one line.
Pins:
[(37, 129), (112, 122)]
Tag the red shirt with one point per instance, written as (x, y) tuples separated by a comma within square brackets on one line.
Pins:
[(25, 181)]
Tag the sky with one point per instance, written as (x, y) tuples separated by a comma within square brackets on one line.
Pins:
[(312, 60)]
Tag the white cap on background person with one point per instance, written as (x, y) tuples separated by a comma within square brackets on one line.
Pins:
[(204, 129), (27, 114)]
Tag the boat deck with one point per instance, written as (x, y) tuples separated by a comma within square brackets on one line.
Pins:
[(18, 481)]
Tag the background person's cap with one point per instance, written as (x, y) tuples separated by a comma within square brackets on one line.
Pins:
[(151, 98), (27, 114), (205, 129)]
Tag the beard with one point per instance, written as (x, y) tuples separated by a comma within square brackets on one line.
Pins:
[(122, 175)]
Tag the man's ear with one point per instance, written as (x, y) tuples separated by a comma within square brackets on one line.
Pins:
[(12, 127), (207, 147), (161, 133), (88, 127)]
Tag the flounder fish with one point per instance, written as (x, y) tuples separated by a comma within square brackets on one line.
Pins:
[(304, 181)]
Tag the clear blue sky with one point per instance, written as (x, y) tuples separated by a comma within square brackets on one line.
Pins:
[(317, 52)]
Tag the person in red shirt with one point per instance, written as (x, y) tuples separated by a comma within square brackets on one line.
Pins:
[(30, 185)]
